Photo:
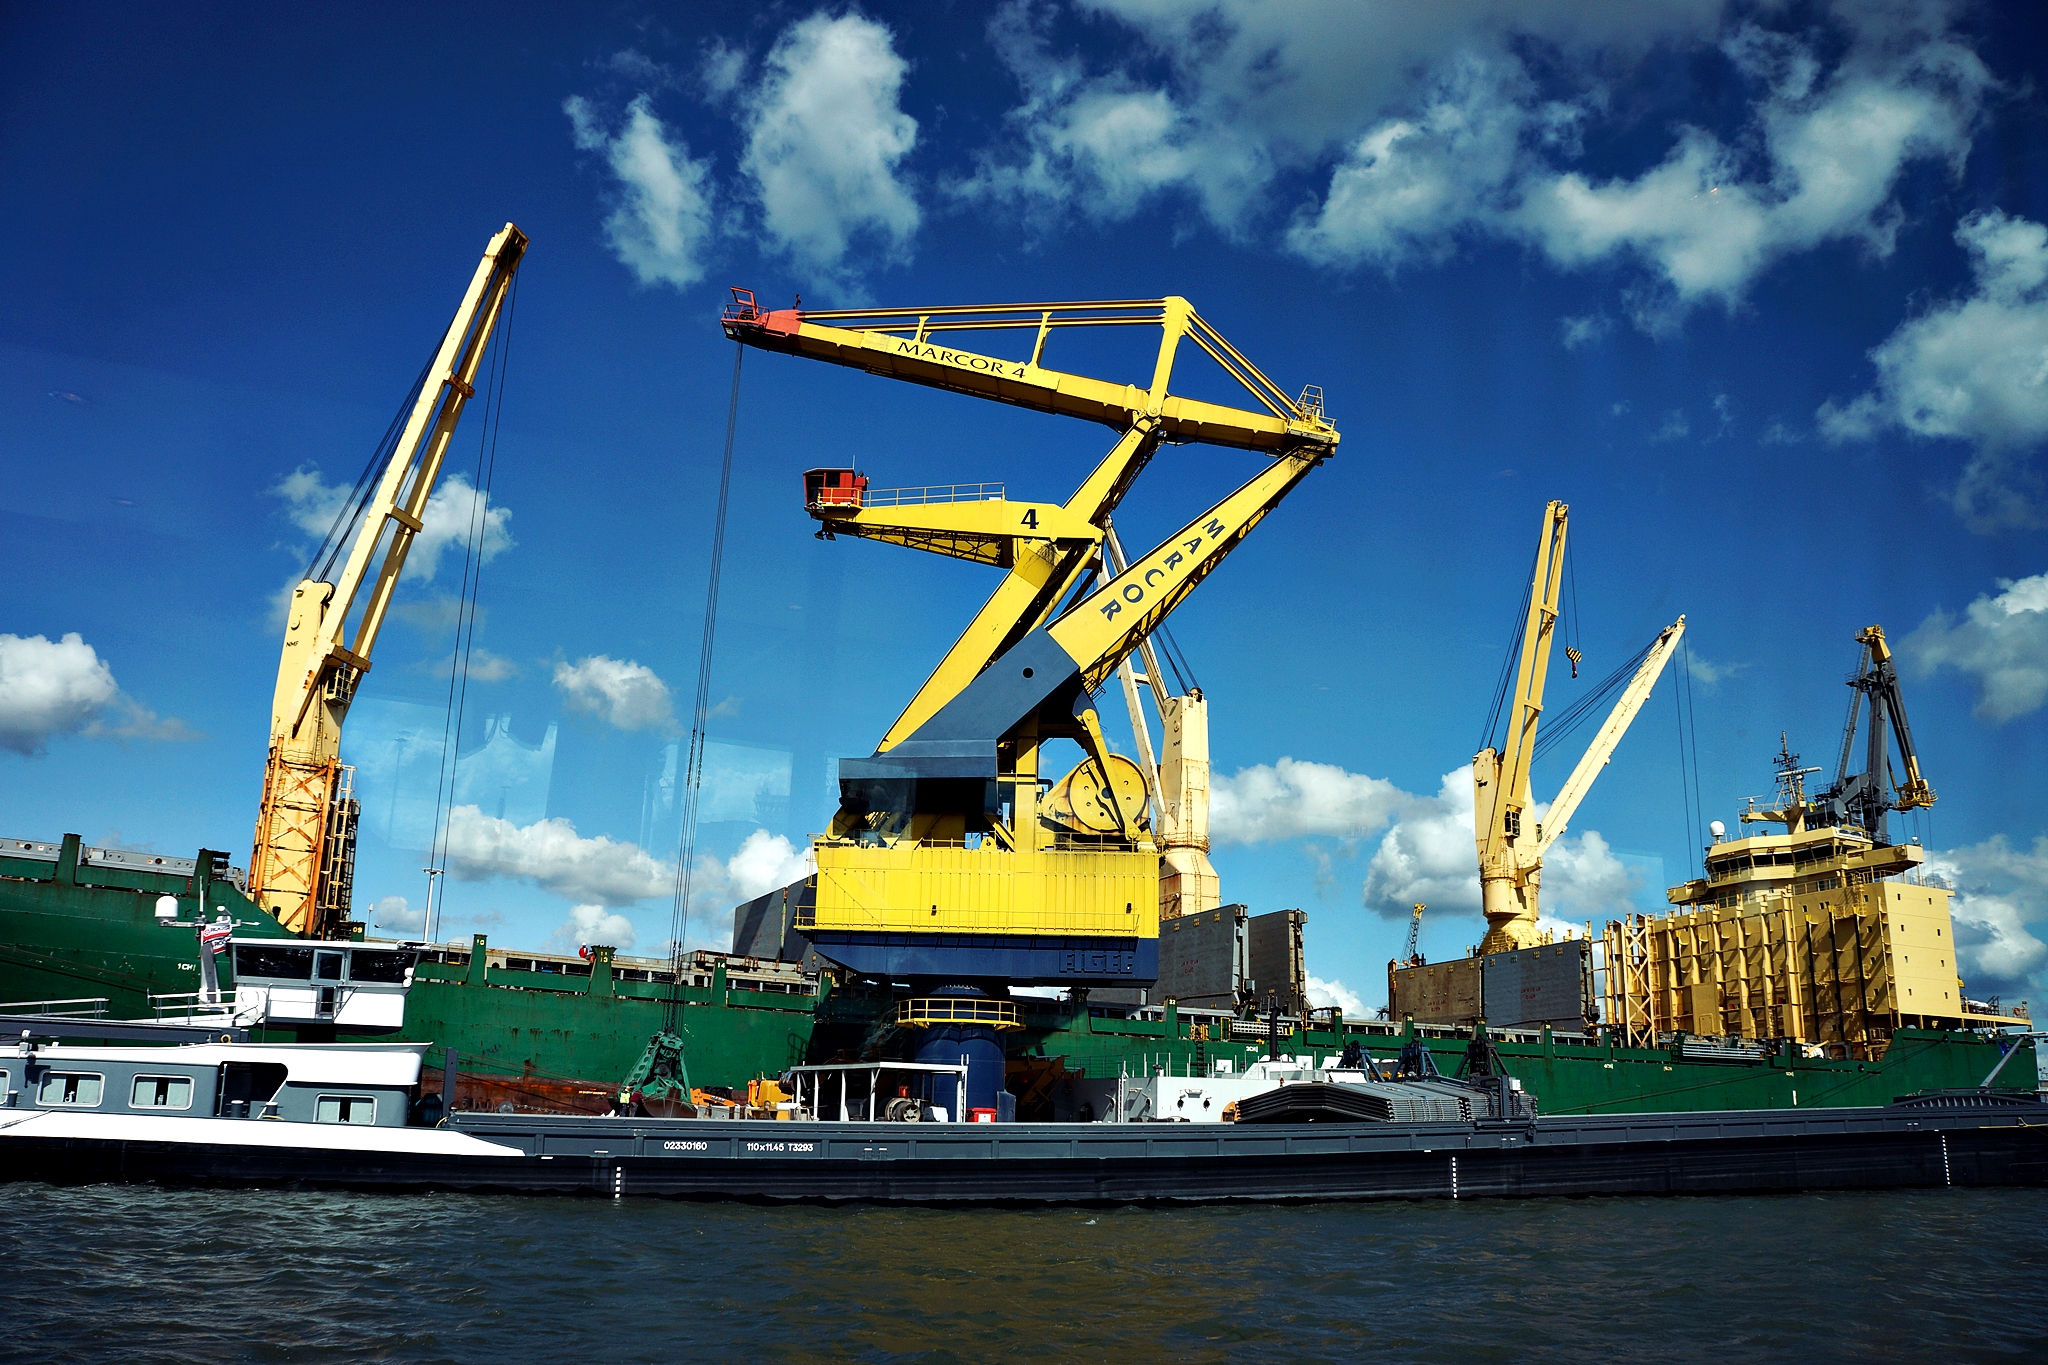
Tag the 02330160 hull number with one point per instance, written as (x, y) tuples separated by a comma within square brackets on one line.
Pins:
[(685, 1146)]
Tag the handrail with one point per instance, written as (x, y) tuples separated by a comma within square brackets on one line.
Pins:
[(928, 495), (927, 1011), (48, 1007), (896, 342)]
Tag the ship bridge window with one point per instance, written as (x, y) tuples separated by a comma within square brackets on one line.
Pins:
[(78, 1089), (290, 964), (327, 966), (345, 1109), (380, 965), (161, 1092)]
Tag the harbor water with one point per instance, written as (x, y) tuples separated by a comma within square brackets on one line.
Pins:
[(143, 1274)]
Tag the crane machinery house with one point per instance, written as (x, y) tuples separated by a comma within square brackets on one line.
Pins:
[(956, 860)]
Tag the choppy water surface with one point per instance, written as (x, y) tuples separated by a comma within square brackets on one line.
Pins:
[(112, 1273)]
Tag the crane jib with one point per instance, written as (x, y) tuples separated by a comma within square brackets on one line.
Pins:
[(966, 360), (1134, 592)]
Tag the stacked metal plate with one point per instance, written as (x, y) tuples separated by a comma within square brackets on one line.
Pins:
[(1382, 1102)]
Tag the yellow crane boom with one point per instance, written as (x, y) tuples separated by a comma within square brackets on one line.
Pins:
[(1562, 806), (902, 343), (1510, 860), (302, 864)]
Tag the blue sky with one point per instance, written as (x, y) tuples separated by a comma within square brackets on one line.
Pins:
[(1761, 290)]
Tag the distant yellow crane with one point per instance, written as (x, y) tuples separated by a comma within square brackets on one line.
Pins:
[(302, 867), (1510, 861)]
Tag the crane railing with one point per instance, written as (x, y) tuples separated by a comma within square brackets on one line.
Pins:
[(899, 342)]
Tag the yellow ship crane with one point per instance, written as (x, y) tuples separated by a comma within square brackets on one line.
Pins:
[(1510, 861), (304, 856), (951, 857)]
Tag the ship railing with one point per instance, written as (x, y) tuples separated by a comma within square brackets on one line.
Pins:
[(932, 494), (933, 1011), (192, 1007), (91, 1007)]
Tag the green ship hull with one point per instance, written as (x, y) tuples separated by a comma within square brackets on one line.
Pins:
[(537, 1033)]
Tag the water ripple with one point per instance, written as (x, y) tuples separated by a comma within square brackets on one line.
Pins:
[(142, 1274)]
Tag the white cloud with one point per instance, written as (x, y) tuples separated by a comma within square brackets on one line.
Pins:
[(1778, 434), (485, 666), (764, 862), (721, 68), (1251, 90), (1972, 369), (1575, 332), (50, 688), (553, 855), (593, 924), (1334, 994), (128, 718), (1410, 186), (662, 223), (1707, 673), (1674, 428), (396, 913), (1438, 130), (1428, 855), (1293, 798), (619, 691), (1582, 880), (2001, 914), (452, 512), (826, 137), (2002, 641), (1710, 218), (596, 873)]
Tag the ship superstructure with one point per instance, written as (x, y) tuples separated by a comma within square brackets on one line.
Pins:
[(1825, 932)]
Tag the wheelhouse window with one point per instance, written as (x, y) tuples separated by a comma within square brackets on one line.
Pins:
[(345, 1109), (161, 1092), (290, 964), (380, 965), (78, 1089), (327, 966)]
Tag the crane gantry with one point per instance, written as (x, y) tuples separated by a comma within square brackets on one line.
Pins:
[(953, 791), (1510, 861), (303, 862)]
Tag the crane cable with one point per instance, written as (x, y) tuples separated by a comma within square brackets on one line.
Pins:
[(693, 773), (1574, 717), (350, 513), (1689, 767), (1491, 737), (466, 609)]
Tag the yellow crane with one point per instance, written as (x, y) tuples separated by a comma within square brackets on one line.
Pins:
[(1510, 862), (954, 792), (303, 862)]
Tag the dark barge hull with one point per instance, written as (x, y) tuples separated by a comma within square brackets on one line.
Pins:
[(1896, 1147)]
